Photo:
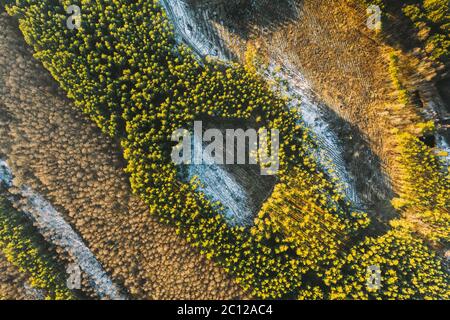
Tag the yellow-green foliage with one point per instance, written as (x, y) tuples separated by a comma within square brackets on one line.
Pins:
[(425, 187), (309, 212), (311, 293), (430, 18), (394, 71), (409, 270), (252, 60), (25, 250)]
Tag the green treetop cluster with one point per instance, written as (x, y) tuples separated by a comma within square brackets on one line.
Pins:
[(410, 270), (22, 247), (432, 20), (429, 19), (425, 188)]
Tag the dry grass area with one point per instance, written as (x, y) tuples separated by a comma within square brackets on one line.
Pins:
[(52, 147)]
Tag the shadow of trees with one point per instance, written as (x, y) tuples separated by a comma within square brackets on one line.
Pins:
[(371, 181), (246, 17)]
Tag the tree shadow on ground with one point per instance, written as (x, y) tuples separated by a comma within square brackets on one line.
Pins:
[(246, 17), (371, 181)]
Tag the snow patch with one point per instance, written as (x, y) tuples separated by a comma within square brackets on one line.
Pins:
[(330, 150), (219, 185), (442, 144), (5, 174), (186, 29)]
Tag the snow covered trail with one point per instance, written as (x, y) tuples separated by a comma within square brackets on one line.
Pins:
[(434, 107), (220, 185), (57, 231), (330, 151), (186, 29)]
